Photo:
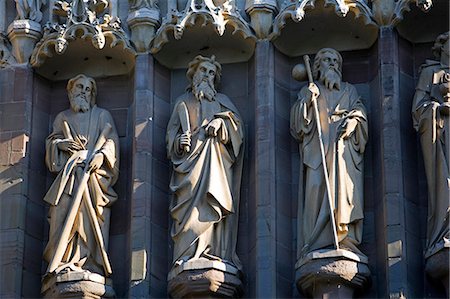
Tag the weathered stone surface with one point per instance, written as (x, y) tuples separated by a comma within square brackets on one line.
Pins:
[(77, 285), (205, 279), (333, 273)]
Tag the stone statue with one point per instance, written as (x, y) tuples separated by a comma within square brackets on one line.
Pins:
[(343, 123), (29, 9), (83, 150), (205, 144), (430, 110)]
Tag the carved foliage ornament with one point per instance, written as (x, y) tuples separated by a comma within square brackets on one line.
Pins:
[(83, 19), (402, 6), (219, 13)]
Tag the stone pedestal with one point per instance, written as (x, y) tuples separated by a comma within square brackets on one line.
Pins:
[(437, 267), (77, 285), (332, 274), (24, 34), (205, 279), (143, 24)]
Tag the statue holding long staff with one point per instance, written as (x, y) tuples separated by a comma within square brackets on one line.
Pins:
[(330, 123)]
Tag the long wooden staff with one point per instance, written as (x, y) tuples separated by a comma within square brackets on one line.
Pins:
[(322, 152), (73, 211)]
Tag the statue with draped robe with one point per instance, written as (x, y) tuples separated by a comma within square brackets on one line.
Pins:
[(344, 129), (205, 144)]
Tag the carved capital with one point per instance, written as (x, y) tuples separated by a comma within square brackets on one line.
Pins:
[(23, 34), (143, 24)]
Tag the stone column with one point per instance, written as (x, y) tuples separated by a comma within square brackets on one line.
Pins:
[(264, 205), (149, 236)]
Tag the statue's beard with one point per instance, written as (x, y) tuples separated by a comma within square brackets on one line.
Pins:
[(203, 89), (331, 78), (79, 104)]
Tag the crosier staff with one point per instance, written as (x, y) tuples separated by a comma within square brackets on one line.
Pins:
[(322, 151)]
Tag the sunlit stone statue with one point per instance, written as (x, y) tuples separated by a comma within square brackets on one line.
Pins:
[(205, 144), (344, 134), (83, 150), (330, 123), (431, 110)]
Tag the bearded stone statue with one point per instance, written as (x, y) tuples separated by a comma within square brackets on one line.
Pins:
[(344, 131), (205, 144), (83, 150), (430, 111)]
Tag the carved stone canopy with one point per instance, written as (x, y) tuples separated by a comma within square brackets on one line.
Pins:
[(205, 28), (88, 39), (432, 23), (348, 27)]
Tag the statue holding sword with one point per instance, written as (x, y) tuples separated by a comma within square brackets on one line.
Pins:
[(205, 144), (83, 150), (330, 123)]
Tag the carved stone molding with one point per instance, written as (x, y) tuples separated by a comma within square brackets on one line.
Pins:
[(296, 11), (208, 13)]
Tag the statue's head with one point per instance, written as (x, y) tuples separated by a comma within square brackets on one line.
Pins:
[(204, 75), (82, 91), (327, 68), (441, 46), (61, 45), (98, 40)]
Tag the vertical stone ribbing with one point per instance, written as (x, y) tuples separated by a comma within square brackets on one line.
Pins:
[(140, 237), (265, 172), (391, 169), (150, 194)]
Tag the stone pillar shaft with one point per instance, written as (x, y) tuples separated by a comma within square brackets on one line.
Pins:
[(265, 172)]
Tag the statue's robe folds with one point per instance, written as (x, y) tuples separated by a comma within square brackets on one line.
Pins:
[(82, 251), (434, 132), (206, 181), (344, 161)]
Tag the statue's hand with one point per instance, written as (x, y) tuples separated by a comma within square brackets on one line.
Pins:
[(213, 127), (96, 162), (68, 145), (348, 128), (312, 92), (444, 109), (184, 141)]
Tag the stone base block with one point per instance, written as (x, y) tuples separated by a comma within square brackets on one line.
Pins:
[(437, 267), (332, 274), (77, 285), (205, 279)]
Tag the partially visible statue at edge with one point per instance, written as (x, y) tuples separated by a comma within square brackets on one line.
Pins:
[(29, 9), (430, 111), (344, 131), (205, 144), (83, 150)]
